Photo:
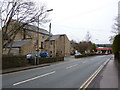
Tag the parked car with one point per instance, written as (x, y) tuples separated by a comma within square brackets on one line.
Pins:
[(78, 53), (45, 54), (72, 53), (31, 56)]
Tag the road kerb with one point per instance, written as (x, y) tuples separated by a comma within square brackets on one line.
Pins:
[(23, 70), (91, 78)]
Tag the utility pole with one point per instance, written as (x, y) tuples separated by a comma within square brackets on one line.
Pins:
[(37, 38), (37, 41), (49, 39)]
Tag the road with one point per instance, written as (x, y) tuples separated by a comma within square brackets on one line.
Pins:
[(67, 74)]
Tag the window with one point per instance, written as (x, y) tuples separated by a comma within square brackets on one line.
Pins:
[(43, 35), (29, 33), (42, 45), (51, 43)]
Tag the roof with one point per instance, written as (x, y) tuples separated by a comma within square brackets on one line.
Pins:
[(35, 29), (18, 43), (54, 37), (103, 45), (104, 48)]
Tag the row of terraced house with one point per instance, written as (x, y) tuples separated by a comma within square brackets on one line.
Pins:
[(25, 41)]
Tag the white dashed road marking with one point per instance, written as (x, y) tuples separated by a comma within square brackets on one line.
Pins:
[(71, 66), (34, 78)]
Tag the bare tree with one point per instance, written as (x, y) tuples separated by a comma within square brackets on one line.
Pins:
[(19, 11), (116, 26), (115, 29), (88, 37), (84, 46)]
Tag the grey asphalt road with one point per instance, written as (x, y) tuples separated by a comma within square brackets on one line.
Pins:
[(68, 74)]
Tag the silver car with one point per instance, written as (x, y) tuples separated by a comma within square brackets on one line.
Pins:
[(78, 53)]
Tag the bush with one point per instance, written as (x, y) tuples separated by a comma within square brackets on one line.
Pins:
[(47, 60), (85, 55), (116, 44), (116, 47), (10, 61)]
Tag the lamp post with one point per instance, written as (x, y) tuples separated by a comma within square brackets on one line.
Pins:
[(37, 38), (49, 39)]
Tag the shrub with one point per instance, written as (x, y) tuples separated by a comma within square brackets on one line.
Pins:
[(47, 60), (116, 47), (116, 44), (85, 55), (10, 61)]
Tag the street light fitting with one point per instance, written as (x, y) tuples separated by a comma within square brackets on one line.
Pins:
[(49, 10)]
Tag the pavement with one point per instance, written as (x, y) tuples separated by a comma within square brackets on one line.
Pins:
[(109, 77), (67, 58), (23, 68)]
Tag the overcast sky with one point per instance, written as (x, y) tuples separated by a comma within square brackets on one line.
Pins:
[(76, 17)]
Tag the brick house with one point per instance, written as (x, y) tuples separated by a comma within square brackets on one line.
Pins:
[(58, 45)]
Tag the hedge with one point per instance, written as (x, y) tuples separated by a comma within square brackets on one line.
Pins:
[(116, 47), (47, 60), (86, 55), (10, 61), (116, 44)]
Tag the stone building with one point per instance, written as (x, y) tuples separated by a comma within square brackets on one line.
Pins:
[(58, 45), (25, 40)]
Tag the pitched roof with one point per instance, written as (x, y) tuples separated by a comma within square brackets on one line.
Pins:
[(35, 29), (18, 43), (54, 37), (32, 27)]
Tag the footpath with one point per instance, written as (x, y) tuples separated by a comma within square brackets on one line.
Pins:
[(23, 68), (109, 77)]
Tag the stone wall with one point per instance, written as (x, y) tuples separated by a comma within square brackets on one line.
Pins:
[(59, 47)]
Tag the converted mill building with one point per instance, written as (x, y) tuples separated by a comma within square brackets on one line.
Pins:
[(25, 41), (58, 45)]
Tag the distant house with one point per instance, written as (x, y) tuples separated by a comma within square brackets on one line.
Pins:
[(73, 47), (58, 45)]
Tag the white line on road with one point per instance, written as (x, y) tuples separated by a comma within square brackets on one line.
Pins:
[(90, 79), (71, 66), (84, 62), (34, 78)]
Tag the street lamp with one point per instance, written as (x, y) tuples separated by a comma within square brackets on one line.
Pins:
[(37, 38), (49, 39), (49, 10)]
